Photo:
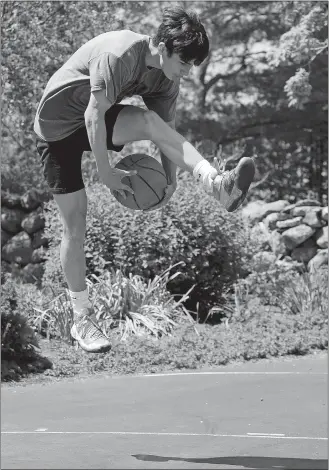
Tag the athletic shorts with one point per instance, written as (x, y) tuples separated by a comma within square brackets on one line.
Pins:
[(61, 160)]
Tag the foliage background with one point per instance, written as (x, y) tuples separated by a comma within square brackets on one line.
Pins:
[(263, 87)]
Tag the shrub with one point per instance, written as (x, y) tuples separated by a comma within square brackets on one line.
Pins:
[(192, 229), (279, 294), (21, 169), (18, 339)]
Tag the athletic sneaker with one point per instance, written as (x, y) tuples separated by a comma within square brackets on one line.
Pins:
[(88, 334), (230, 188)]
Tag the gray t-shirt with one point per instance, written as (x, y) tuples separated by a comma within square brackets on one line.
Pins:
[(114, 62)]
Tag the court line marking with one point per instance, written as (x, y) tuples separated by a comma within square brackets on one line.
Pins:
[(176, 434), (170, 374)]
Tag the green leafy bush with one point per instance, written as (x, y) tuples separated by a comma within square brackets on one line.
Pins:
[(192, 229), (18, 338)]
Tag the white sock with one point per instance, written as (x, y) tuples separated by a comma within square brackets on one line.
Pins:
[(80, 300), (205, 173)]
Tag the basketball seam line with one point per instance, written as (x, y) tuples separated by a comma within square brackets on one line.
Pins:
[(134, 162), (153, 169), (145, 168), (149, 187)]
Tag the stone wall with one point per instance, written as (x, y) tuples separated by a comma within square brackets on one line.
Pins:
[(23, 244), (291, 233)]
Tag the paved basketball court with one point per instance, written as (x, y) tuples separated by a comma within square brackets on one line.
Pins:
[(264, 415)]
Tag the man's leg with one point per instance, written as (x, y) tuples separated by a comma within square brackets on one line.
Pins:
[(62, 169), (135, 123), (73, 211), (230, 189)]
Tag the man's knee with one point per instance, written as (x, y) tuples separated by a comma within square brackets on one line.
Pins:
[(74, 226), (148, 124), (73, 211), (152, 122)]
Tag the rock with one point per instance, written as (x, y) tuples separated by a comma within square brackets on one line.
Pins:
[(253, 211), (31, 200), (284, 224), (32, 273), (307, 202), (324, 213), (5, 236), (303, 210), (313, 219), (39, 239), (39, 255), (322, 237), (276, 206), (33, 222), (263, 261), (320, 259), (297, 235), (271, 219), (277, 244), (11, 220), (303, 202), (18, 249), (304, 252), (12, 201), (288, 208)]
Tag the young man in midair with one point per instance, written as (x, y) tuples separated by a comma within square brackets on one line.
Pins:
[(80, 111)]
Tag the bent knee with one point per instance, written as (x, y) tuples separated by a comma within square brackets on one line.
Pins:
[(152, 120)]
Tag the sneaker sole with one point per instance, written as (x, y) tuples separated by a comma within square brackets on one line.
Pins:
[(245, 173), (245, 176), (85, 348)]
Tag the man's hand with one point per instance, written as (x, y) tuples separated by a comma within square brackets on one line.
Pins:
[(112, 179), (169, 191)]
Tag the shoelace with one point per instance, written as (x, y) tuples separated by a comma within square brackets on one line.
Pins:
[(90, 328), (223, 172), (222, 165)]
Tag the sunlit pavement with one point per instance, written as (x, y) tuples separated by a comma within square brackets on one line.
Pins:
[(263, 415)]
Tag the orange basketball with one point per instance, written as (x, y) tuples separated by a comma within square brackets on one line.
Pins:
[(149, 184)]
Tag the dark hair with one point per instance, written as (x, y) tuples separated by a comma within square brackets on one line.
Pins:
[(183, 34)]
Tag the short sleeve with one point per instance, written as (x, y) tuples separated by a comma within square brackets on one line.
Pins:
[(107, 72), (164, 103)]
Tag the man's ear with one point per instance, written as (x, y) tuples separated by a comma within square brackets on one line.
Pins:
[(161, 47)]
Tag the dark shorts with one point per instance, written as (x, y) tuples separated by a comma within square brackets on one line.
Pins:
[(61, 160)]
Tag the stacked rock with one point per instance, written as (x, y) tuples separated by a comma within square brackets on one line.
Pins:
[(23, 244), (295, 232)]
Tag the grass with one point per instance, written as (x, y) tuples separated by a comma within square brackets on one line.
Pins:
[(152, 332)]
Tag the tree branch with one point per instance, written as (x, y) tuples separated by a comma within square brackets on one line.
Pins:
[(220, 76)]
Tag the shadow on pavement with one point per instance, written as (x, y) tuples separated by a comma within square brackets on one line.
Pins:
[(264, 463)]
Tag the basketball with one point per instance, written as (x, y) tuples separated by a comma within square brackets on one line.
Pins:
[(148, 185)]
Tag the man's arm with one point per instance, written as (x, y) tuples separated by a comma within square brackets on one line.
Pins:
[(169, 166), (96, 129), (97, 135)]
